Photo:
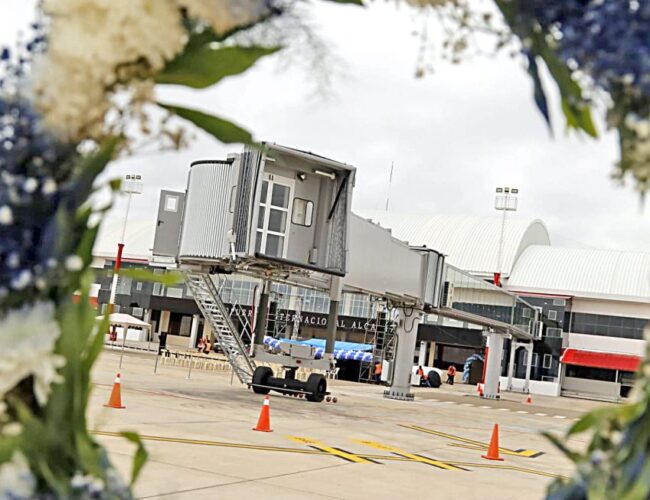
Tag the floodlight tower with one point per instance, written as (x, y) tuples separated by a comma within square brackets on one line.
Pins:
[(505, 201), (132, 184)]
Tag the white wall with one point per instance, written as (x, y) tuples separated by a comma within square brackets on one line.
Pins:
[(535, 386), (611, 307), (601, 343)]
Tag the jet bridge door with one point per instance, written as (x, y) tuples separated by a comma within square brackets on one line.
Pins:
[(274, 215)]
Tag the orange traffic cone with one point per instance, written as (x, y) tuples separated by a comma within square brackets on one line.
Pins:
[(493, 449), (480, 391), (115, 401), (529, 399), (264, 422)]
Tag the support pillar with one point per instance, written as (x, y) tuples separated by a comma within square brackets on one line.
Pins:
[(511, 365), (194, 330), (493, 365), (407, 332), (529, 362), (163, 324), (422, 355), (262, 313), (333, 316)]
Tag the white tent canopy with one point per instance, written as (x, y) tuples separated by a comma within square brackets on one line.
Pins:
[(124, 322)]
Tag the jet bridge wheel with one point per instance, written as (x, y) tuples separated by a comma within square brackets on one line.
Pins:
[(260, 377), (316, 388)]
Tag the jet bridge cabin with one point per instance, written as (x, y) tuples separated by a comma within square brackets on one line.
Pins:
[(274, 208)]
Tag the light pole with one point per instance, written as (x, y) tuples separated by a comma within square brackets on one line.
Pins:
[(505, 201), (131, 185)]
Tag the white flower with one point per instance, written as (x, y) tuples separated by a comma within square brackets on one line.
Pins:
[(16, 480), (6, 216), (49, 186), (27, 338), (225, 15), (22, 280), (96, 45), (89, 41), (12, 429), (74, 263), (30, 185)]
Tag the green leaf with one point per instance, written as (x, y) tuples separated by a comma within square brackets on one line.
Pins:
[(572, 455), (591, 420), (140, 456), (203, 66), (141, 274), (219, 128)]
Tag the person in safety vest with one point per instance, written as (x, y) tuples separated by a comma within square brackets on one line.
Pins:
[(423, 377), (378, 372), (113, 334), (451, 373)]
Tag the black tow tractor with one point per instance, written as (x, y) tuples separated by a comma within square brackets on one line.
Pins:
[(314, 389)]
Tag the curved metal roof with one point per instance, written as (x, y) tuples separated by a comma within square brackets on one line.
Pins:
[(603, 274), (470, 243), (138, 239)]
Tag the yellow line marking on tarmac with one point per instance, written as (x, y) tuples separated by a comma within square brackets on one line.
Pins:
[(476, 444), (350, 457), (255, 447), (406, 454), (220, 444), (509, 467)]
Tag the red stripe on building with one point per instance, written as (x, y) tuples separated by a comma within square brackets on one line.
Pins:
[(610, 361)]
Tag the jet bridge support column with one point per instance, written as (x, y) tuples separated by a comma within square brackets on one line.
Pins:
[(493, 365), (407, 332), (336, 287), (262, 313), (529, 362)]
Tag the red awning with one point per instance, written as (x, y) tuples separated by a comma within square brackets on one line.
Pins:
[(610, 361)]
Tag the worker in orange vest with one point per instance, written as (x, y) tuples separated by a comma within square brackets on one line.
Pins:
[(423, 377), (378, 372), (451, 373)]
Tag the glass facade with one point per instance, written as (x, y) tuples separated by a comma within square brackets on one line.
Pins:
[(610, 326)]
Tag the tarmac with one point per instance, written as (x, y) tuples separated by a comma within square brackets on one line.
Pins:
[(199, 436)]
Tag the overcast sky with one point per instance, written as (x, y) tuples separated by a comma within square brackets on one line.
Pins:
[(453, 136)]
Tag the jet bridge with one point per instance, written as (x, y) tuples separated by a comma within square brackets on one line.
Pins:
[(282, 214)]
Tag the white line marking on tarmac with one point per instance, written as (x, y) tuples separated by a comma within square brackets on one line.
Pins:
[(559, 416), (466, 404), (485, 407), (540, 414), (522, 411), (503, 409)]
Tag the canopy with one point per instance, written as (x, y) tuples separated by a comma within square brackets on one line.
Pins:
[(122, 319), (593, 359), (342, 350)]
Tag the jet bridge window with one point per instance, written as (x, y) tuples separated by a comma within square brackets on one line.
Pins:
[(303, 212)]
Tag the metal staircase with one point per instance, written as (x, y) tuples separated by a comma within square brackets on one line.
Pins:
[(381, 335), (217, 314)]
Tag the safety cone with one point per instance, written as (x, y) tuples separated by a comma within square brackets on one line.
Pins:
[(480, 391), (529, 399), (493, 449), (264, 422), (115, 401), (478, 388)]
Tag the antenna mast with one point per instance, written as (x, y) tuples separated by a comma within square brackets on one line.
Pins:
[(390, 181)]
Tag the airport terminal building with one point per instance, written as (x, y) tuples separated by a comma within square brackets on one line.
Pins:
[(595, 304)]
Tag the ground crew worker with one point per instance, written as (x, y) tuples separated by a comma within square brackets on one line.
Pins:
[(420, 373), (113, 334), (378, 372), (451, 373)]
